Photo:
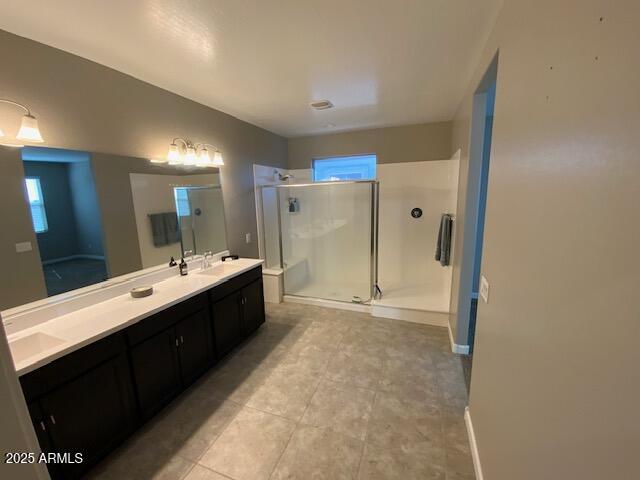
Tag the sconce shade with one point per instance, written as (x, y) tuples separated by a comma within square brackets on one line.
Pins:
[(1, 133), (29, 131), (174, 155), (217, 159), (191, 158), (204, 160)]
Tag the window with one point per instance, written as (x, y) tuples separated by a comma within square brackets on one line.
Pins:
[(182, 202), (36, 203), (357, 167)]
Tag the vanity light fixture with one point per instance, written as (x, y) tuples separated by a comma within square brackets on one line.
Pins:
[(185, 152), (29, 131)]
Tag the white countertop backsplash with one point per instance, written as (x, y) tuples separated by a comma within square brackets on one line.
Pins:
[(46, 330)]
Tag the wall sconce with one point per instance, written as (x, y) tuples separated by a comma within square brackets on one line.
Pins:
[(185, 152), (29, 131)]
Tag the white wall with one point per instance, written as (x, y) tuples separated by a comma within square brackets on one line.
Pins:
[(154, 194), (408, 272)]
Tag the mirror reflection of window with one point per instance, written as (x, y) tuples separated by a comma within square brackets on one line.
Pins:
[(36, 204), (182, 202)]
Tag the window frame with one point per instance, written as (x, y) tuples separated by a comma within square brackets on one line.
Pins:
[(37, 204), (339, 157)]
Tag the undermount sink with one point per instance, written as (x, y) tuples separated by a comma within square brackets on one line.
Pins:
[(30, 345), (222, 269)]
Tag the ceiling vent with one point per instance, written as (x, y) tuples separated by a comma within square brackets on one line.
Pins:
[(321, 105)]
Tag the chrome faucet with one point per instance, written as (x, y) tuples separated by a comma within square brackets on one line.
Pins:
[(187, 253), (206, 259)]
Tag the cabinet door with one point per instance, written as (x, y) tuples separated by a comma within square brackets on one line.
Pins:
[(90, 415), (253, 303), (226, 323), (156, 371), (195, 352)]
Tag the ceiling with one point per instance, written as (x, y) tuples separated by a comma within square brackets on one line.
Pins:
[(381, 62)]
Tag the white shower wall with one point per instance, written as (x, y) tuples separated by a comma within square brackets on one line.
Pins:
[(408, 273)]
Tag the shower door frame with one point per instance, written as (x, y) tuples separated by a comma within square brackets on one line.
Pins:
[(373, 255)]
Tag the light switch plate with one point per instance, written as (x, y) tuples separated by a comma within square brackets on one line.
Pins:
[(23, 247), (247, 237), (484, 289)]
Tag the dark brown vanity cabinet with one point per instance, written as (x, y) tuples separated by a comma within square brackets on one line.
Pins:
[(252, 307), (237, 310), (227, 327), (82, 404), (169, 351), (90, 400)]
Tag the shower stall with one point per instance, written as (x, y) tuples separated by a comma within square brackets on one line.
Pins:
[(323, 236)]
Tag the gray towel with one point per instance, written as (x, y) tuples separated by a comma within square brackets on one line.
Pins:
[(172, 226), (443, 244), (165, 228)]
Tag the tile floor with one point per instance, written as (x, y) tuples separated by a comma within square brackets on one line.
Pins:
[(315, 393)]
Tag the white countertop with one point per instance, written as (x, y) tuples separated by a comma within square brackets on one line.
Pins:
[(66, 333)]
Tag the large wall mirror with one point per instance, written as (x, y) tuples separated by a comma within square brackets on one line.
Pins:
[(95, 216)]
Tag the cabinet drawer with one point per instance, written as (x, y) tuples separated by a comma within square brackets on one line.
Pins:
[(155, 324), (235, 283), (64, 369)]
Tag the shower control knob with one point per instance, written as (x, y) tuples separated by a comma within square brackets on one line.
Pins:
[(416, 212)]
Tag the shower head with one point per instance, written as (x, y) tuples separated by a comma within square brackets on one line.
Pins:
[(281, 177)]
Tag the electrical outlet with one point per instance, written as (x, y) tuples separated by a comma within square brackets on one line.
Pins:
[(484, 289), (23, 247), (247, 238)]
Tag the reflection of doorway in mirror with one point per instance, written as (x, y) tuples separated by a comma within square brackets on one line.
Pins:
[(66, 217)]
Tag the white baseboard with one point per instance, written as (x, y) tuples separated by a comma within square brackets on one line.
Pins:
[(73, 257), (437, 319), (455, 348), (472, 443), (319, 302)]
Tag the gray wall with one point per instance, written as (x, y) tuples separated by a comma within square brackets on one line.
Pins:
[(410, 143), (85, 209), (22, 280), (81, 105), (554, 389), (60, 239)]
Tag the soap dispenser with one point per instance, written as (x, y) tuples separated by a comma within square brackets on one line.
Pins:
[(184, 268)]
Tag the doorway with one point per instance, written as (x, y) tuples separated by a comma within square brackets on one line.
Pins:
[(66, 217), (476, 201)]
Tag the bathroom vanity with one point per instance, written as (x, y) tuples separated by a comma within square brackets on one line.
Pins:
[(114, 364)]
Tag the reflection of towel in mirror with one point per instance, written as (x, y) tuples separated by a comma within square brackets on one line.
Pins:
[(165, 228), (443, 244)]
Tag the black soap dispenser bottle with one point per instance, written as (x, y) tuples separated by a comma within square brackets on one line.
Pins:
[(184, 268)]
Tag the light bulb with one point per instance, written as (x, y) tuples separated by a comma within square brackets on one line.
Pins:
[(29, 131), (191, 157), (217, 159), (174, 156)]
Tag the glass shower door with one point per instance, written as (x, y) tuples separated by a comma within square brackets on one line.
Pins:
[(327, 240)]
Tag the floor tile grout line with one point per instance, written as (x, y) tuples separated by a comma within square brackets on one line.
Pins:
[(216, 472), (366, 435)]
